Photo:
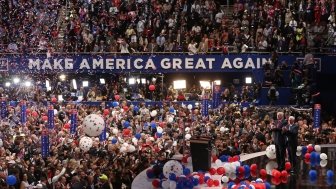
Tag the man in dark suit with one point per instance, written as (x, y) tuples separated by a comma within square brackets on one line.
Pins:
[(279, 139), (291, 131)]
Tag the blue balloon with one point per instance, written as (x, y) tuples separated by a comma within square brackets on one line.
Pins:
[(304, 150), (115, 104), (312, 175), (330, 174), (153, 125), (171, 110), (223, 158), (158, 135), (186, 171), (180, 184), (126, 124), (138, 136), (195, 181), (330, 181), (150, 173), (11, 180), (230, 184), (114, 140), (206, 178), (268, 185), (136, 108), (172, 176)]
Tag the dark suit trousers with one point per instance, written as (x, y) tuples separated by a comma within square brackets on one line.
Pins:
[(292, 154), (280, 150)]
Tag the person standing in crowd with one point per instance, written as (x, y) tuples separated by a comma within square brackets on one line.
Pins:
[(279, 140), (291, 132)]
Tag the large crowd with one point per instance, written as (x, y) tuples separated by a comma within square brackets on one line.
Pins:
[(166, 26), (110, 164)]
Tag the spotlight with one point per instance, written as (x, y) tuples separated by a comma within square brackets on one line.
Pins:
[(131, 81), (27, 83), (74, 84), (16, 80), (217, 82), (153, 79), (138, 80), (47, 84), (7, 84), (205, 84), (248, 80), (62, 77), (85, 83), (102, 81), (143, 80), (179, 84)]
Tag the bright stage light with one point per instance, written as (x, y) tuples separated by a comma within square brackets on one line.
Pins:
[(180, 84), (74, 84), (248, 80), (60, 98), (102, 81), (16, 80), (143, 80), (27, 83), (85, 83), (47, 84), (217, 82), (62, 77), (205, 84), (7, 84), (131, 81)]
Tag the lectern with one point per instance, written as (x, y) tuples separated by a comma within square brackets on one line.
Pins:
[(200, 153)]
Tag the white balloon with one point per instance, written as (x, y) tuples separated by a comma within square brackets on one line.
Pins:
[(270, 151), (299, 148), (298, 153), (187, 129), (153, 113), (85, 143), (323, 163), (222, 129), (125, 144), (123, 149), (159, 129), (187, 136), (165, 184), (218, 162), (134, 140), (93, 125), (131, 148), (190, 106), (172, 185), (55, 112), (107, 134), (170, 119), (270, 166), (323, 156), (172, 166), (317, 148), (115, 131), (225, 179)]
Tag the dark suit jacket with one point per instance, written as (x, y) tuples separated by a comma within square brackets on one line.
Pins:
[(278, 137), (292, 134)]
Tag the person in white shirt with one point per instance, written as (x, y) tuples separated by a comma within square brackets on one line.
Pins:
[(192, 48)]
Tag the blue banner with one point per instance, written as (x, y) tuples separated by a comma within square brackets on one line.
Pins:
[(102, 136), (73, 120), (216, 95), (3, 108), (23, 113), (317, 115), (45, 144), (51, 121), (205, 107)]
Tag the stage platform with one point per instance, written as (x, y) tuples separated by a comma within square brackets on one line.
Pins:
[(300, 180)]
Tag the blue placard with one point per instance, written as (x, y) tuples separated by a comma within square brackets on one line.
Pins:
[(102, 136), (317, 115), (51, 121), (23, 113), (73, 120), (45, 144), (216, 98), (3, 108), (205, 107)]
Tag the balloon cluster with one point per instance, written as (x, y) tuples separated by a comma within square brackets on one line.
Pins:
[(255, 184), (270, 151), (312, 155)]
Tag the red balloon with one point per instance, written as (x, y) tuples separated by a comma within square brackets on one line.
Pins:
[(253, 167), (276, 173), (151, 87), (201, 179), (241, 169), (126, 132), (212, 171), (34, 114), (117, 97), (263, 172), (220, 170), (156, 183), (253, 174), (307, 155), (216, 183), (275, 181), (307, 161), (67, 126), (54, 100), (284, 179), (45, 118), (236, 158), (310, 149), (230, 159), (288, 166), (106, 111), (284, 174), (210, 182), (125, 108)]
